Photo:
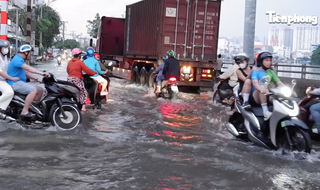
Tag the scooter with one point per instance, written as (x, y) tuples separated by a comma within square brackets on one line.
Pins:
[(219, 95), (169, 88), (59, 60), (281, 130), (54, 107), (305, 105), (93, 88)]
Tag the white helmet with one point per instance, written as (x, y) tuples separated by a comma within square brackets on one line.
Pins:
[(241, 57), (25, 48)]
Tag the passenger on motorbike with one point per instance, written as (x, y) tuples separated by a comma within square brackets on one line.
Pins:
[(315, 111), (5, 88), (261, 80), (103, 68), (18, 68), (74, 70), (230, 78), (160, 76), (244, 78), (171, 67), (93, 64)]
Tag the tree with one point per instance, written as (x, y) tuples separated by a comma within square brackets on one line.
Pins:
[(49, 24), (315, 58), (68, 44), (94, 25)]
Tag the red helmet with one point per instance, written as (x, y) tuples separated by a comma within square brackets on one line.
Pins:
[(97, 56), (256, 56)]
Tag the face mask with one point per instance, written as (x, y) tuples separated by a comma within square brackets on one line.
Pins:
[(242, 65), (4, 51)]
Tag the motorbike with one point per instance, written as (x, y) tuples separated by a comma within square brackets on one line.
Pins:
[(59, 58), (93, 88), (54, 107), (283, 129), (219, 95), (305, 105), (169, 88)]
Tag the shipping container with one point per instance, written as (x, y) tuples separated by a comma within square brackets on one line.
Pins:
[(189, 27), (111, 37)]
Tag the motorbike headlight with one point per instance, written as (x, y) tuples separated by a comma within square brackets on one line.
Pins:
[(286, 91), (59, 58)]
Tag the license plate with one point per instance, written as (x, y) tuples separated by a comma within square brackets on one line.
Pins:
[(174, 88), (186, 76)]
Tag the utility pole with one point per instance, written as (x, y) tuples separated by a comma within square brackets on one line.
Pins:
[(29, 11), (249, 28), (63, 29)]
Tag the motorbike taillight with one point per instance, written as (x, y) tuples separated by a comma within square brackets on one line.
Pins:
[(172, 79)]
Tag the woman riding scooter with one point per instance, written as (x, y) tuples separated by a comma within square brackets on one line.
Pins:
[(93, 64), (5, 88), (74, 69)]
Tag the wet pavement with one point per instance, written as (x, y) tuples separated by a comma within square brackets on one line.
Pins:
[(138, 142)]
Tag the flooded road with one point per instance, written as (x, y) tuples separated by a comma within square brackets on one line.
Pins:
[(138, 142)]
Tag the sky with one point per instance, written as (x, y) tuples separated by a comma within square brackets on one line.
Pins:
[(77, 12)]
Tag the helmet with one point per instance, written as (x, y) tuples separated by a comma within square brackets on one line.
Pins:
[(165, 58), (256, 56), (241, 57), (170, 53), (262, 56), (4, 43), (97, 56), (25, 48), (90, 53), (76, 51)]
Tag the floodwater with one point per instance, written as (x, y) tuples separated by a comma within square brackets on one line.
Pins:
[(139, 142)]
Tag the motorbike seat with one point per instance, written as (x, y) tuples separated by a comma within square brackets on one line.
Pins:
[(23, 96)]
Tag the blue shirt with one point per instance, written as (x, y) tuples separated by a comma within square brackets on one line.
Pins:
[(94, 65), (159, 70), (264, 78), (15, 69)]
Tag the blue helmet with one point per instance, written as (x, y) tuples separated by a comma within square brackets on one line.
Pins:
[(90, 53), (165, 58)]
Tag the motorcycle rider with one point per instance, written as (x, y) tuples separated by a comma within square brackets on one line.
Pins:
[(230, 78), (93, 64), (18, 68), (220, 64), (5, 88), (315, 111), (244, 77), (160, 76), (74, 70), (103, 68), (261, 80), (171, 67)]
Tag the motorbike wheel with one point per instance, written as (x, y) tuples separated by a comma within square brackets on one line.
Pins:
[(215, 97), (301, 139), (70, 123)]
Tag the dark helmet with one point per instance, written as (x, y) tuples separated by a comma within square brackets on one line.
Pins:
[(241, 57), (262, 56)]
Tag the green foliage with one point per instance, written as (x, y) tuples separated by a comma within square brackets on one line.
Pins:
[(67, 44), (94, 25), (49, 24), (315, 58)]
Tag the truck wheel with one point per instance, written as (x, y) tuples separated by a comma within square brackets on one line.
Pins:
[(151, 77), (135, 76), (143, 76)]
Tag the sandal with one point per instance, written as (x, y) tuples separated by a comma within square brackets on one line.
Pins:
[(28, 115)]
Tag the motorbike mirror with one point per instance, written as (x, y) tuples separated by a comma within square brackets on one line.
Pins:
[(294, 82)]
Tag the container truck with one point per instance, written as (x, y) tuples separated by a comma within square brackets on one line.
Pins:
[(134, 46)]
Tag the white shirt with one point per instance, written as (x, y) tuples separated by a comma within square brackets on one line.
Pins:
[(3, 66), (231, 73)]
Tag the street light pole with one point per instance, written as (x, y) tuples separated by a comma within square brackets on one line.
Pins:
[(40, 31), (17, 28)]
